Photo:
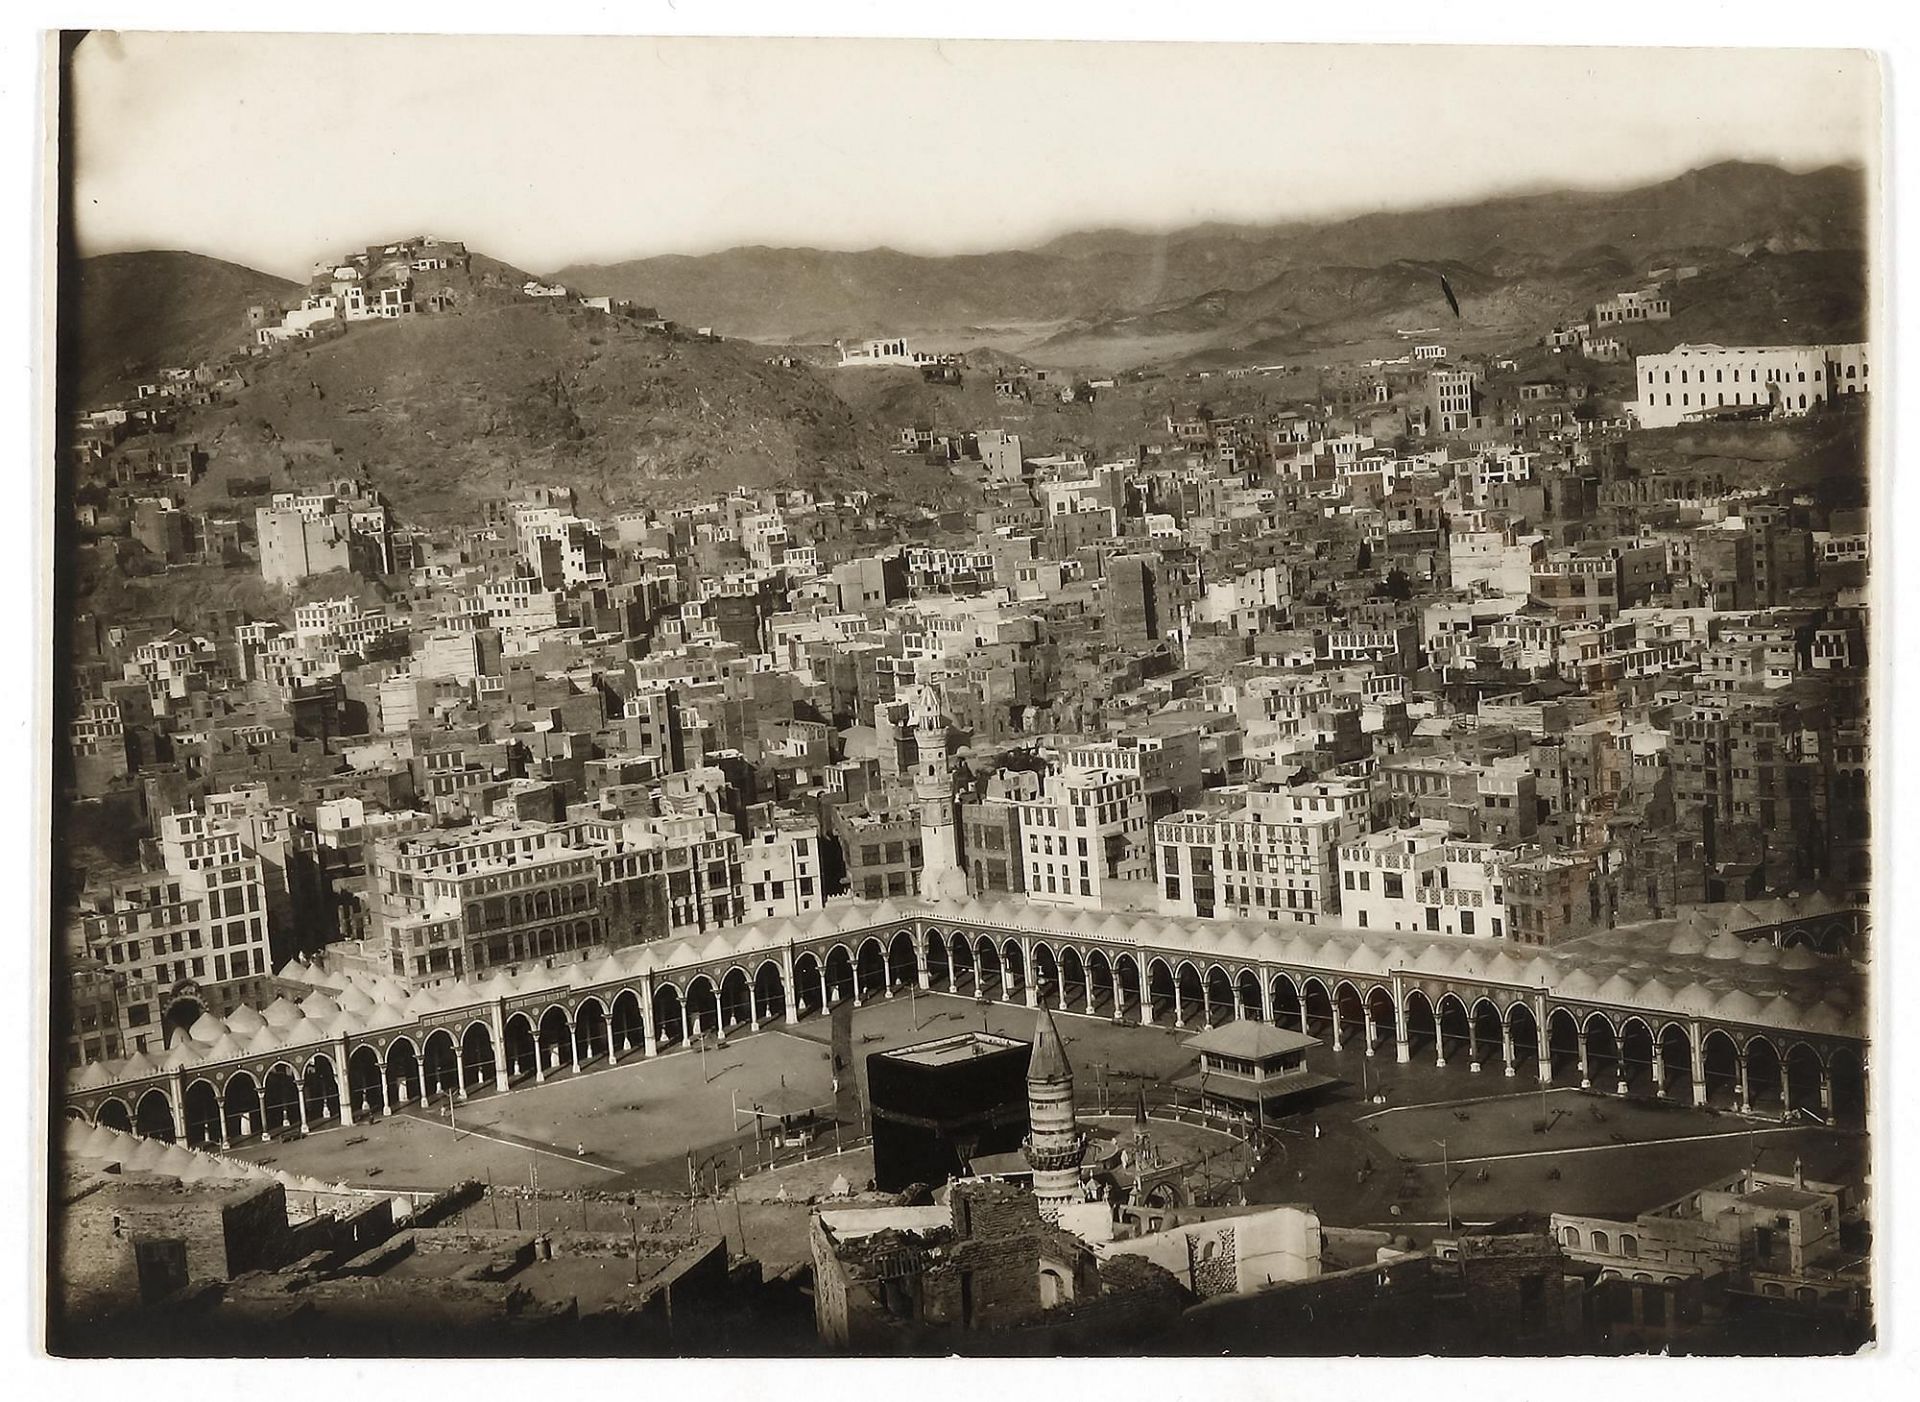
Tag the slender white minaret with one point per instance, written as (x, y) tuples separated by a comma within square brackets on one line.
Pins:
[(941, 875), (1054, 1146)]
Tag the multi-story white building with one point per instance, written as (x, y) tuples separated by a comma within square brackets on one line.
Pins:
[(1273, 856), (780, 870), (1422, 878), (1086, 831), (1690, 381), (190, 937), (1502, 560), (173, 667), (1454, 396)]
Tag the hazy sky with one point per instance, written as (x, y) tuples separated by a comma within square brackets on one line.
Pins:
[(272, 150)]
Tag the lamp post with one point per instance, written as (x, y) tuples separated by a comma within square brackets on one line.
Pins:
[(1446, 1176)]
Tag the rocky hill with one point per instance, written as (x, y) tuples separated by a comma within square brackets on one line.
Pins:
[(1763, 299), (133, 313), (443, 410), (1104, 276)]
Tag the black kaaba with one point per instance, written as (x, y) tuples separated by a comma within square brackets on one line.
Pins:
[(939, 1105)]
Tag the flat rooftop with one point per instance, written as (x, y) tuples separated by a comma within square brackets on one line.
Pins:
[(945, 1051), (1783, 1199)]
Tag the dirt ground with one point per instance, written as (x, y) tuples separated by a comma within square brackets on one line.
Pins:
[(638, 1123)]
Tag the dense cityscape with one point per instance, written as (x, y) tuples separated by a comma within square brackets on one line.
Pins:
[(1361, 847)]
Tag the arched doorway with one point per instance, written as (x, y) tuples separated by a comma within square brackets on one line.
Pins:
[(320, 1084), (1636, 1055), (703, 1007), (1014, 963), (1848, 1073), (1523, 1033), (153, 1116), (1285, 1003), (523, 1048), (1100, 993), (808, 984), (1485, 1045), (840, 985), (1247, 986), (476, 1053), (1766, 1079), (1046, 978), (403, 1072), (1604, 1060), (1162, 996), (1421, 1030), (590, 1030), (1317, 1006), (366, 1082), (1380, 1011), (626, 1026), (1722, 1061), (1219, 1004), (1126, 985), (280, 1099), (872, 969), (1073, 979), (965, 979), (556, 1041), (1801, 1080), (901, 970), (736, 1000), (1563, 1043), (201, 1110), (1676, 1058), (240, 1107), (939, 976), (1347, 1010), (113, 1114), (1189, 999), (987, 961), (440, 1065), (1456, 1028), (770, 991), (1054, 1287)]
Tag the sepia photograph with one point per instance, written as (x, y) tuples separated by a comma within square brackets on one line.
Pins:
[(827, 698)]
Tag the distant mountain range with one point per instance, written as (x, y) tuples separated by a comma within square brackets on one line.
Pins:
[(495, 395), (1196, 287)]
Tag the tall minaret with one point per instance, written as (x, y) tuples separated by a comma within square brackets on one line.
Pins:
[(941, 875), (1055, 1145)]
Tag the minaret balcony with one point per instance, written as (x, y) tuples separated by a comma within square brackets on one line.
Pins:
[(1068, 1155)]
